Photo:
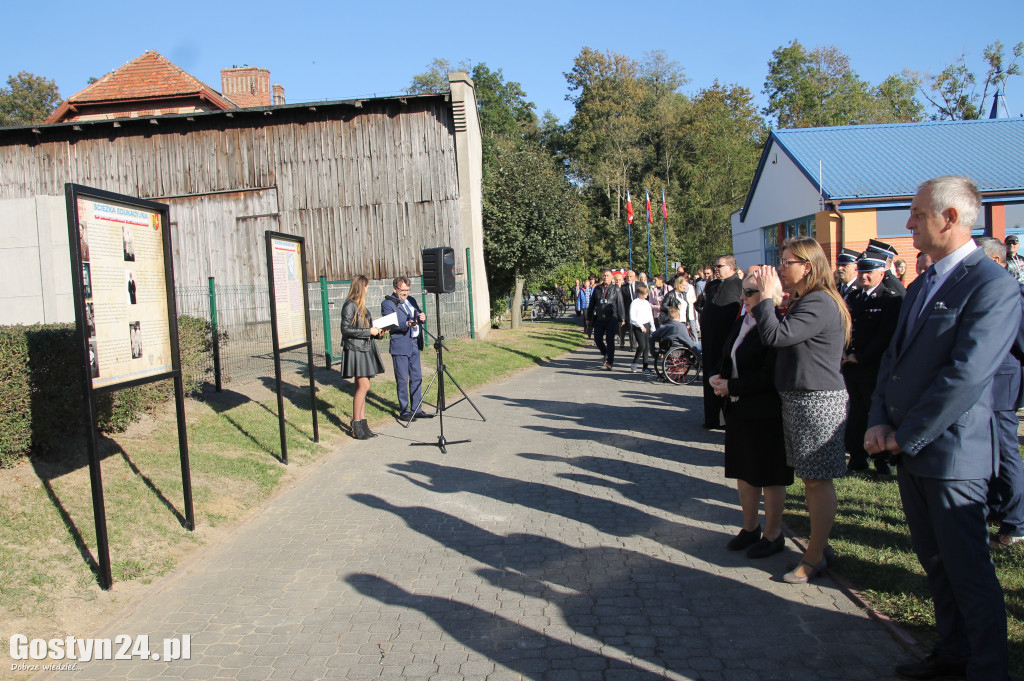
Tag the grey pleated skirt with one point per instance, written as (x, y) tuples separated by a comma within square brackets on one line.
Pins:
[(814, 425), (356, 364)]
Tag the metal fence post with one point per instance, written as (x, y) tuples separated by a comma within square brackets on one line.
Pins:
[(325, 310), (215, 337), (469, 288)]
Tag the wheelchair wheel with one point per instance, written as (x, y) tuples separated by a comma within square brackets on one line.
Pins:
[(659, 365), (681, 365), (533, 313)]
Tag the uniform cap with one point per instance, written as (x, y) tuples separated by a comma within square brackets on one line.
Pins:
[(869, 263), (847, 256)]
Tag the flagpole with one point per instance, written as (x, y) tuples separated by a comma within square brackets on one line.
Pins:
[(629, 236), (629, 226), (648, 231), (664, 214)]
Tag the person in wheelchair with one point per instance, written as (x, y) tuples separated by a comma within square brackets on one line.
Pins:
[(674, 332)]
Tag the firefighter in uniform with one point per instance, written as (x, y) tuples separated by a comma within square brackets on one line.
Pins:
[(874, 310)]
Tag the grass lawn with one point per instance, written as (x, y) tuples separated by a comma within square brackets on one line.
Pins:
[(48, 583), (873, 549)]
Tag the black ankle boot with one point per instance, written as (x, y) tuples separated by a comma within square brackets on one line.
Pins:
[(357, 431), (366, 430)]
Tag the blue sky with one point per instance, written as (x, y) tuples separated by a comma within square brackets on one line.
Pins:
[(342, 49)]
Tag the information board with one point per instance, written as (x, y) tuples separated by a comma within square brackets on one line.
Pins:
[(289, 291), (124, 290)]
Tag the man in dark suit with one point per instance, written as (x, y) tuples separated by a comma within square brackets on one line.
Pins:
[(721, 308), (883, 251), (846, 272), (406, 343), (628, 291), (609, 316), (932, 409), (1006, 489), (874, 311)]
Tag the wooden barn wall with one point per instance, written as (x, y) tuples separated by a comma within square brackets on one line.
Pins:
[(367, 187)]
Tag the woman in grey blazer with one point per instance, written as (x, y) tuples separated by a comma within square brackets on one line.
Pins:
[(809, 340), (360, 359)]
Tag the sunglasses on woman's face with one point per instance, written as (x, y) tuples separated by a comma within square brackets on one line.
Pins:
[(750, 292)]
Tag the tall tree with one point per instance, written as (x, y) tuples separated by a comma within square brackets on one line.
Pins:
[(953, 92), (435, 78), (723, 143), (532, 217), (818, 87), (27, 99)]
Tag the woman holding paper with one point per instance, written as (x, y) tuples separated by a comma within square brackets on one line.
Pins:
[(360, 360)]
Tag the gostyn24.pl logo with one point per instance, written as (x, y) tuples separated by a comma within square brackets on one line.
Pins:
[(74, 650)]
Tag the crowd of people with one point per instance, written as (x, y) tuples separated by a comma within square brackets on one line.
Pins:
[(817, 373)]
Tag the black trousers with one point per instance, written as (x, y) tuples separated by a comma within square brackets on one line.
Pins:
[(604, 336), (860, 388), (643, 340)]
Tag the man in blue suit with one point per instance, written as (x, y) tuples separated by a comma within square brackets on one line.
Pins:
[(932, 409), (1006, 490), (406, 343)]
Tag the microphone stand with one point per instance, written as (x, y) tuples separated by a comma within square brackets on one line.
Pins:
[(441, 371)]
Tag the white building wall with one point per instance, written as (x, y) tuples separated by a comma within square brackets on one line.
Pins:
[(35, 264), (782, 193)]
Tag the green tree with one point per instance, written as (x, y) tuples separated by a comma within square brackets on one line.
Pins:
[(953, 92), (723, 143), (27, 99), (819, 88), (532, 217), (435, 78)]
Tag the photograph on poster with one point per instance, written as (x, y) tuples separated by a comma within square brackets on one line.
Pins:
[(135, 333), (125, 291), (83, 243), (90, 320), (94, 362), (86, 281), (129, 245)]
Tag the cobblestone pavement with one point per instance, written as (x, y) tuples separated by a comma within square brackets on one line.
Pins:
[(579, 536)]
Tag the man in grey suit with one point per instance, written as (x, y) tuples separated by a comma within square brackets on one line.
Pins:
[(932, 409)]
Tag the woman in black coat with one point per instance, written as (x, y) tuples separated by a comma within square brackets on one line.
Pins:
[(360, 359), (755, 452)]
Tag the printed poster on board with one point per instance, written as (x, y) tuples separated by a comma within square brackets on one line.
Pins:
[(125, 291), (289, 292)]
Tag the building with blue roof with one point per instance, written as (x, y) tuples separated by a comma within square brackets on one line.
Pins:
[(847, 184)]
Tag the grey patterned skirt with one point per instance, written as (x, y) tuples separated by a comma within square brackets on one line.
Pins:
[(814, 425)]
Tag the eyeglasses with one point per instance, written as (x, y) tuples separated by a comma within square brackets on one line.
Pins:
[(403, 290), (748, 292), (783, 264), (718, 267)]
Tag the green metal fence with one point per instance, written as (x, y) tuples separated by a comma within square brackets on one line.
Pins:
[(242, 342)]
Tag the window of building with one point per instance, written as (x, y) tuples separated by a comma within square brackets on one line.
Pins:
[(1014, 218), (801, 227), (771, 243)]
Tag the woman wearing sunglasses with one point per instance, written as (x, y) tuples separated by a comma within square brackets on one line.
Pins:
[(809, 341), (755, 454)]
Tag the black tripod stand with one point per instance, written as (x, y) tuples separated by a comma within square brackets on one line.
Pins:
[(441, 372)]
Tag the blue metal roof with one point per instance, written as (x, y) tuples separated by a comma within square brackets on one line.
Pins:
[(889, 160)]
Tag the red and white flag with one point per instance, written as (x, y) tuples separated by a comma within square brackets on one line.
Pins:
[(649, 220), (629, 209)]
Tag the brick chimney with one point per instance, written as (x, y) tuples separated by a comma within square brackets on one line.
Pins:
[(246, 86), (278, 93)]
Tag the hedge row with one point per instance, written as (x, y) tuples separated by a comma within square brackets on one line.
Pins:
[(41, 389)]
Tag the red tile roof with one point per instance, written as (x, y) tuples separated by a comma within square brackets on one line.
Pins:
[(148, 77)]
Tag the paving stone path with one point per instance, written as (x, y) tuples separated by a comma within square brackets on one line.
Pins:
[(579, 536)]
